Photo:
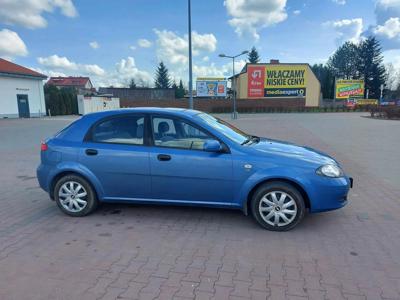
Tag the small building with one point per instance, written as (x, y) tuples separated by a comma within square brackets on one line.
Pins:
[(279, 81), (82, 85), (90, 104), (21, 91)]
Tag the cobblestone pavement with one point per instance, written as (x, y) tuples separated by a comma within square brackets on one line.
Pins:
[(149, 252)]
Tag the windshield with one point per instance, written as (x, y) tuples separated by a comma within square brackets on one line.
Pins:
[(228, 130)]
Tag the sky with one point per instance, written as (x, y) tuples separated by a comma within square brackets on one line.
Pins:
[(114, 41)]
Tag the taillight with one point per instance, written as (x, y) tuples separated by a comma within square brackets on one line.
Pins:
[(43, 146)]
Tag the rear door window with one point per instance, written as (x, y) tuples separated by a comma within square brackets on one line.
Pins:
[(120, 130)]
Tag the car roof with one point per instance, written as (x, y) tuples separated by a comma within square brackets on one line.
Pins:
[(164, 110)]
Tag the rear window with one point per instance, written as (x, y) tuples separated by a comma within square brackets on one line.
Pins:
[(63, 131)]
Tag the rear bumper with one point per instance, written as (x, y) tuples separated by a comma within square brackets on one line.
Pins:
[(42, 174)]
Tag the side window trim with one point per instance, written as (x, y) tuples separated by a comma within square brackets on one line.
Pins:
[(89, 134), (157, 115)]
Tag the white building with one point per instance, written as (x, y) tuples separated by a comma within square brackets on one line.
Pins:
[(21, 91)]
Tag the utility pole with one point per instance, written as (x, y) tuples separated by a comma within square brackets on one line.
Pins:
[(190, 55)]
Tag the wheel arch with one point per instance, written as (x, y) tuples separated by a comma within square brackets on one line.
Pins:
[(63, 173), (302, 191)]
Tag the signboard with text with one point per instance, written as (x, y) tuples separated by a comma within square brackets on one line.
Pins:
[(347, 89), (276, 81), (211, 87)]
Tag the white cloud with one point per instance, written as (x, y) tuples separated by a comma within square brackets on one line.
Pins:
[(173, 48), (92, 70), (125, 70), (58, 63), (144, 43), (29, 13), (205, 59), (390, 29), (248, 16), (347, 29), (94, 45), (203, 42), (297, 12), (340, 2), (11, 44), (132, 48)]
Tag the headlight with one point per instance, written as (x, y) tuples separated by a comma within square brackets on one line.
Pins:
[(330, 171)]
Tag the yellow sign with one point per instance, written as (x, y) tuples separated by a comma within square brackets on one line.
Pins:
[(285, 76), (346, 89), (367, 102)]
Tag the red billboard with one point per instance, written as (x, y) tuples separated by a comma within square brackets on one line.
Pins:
[(255, 81)]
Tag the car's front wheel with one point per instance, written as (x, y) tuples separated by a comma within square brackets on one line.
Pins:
[(278, 206), (75, 196)]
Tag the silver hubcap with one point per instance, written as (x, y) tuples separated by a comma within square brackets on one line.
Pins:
[(278, 208), (73, 196)]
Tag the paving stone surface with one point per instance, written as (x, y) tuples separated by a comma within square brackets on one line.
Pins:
[(157, 252)]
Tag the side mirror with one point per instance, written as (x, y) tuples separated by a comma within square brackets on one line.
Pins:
[(212, 146)]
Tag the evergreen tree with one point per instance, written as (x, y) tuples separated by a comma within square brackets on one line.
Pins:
[(132, 84), (253, 56), (371, 66), (344, 63), (175, 87), (181, 90), (162, 77), (326, 78)]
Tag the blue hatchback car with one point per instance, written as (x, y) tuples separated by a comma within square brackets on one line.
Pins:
[(186, 157)]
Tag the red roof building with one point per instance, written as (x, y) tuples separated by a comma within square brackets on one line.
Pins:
[(80, 83), (21, 91), (8, 68)]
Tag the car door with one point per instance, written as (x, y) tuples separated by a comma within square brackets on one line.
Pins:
[(115, 152), (181, 170)]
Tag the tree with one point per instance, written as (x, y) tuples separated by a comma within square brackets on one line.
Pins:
[(162, 77), (175, 87), (253, 56), (132, 84), (60, 101), (371, 66), (181, 90), (326, 78), (344, 63)]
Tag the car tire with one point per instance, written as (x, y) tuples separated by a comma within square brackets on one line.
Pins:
[(278, 206), (75, 196)]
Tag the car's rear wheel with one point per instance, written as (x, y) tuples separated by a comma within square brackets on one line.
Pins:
[(75, 196), (278, 206)]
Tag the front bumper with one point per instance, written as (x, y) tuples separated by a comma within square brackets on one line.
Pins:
[(329, 193)]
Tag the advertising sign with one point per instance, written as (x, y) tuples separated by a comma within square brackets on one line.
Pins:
[(367, 102), (211, 87), (346, 89), (276, 81), (255, 81)]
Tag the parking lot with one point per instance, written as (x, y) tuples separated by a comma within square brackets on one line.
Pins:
[(157, 252)]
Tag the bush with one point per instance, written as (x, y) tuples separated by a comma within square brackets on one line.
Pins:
[(60, 101)]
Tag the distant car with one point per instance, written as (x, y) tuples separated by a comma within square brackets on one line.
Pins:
[(186, 157)]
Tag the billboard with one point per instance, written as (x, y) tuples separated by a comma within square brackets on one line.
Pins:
[(276, 81), (346, 89), (211, 87)]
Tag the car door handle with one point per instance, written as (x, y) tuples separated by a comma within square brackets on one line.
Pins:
[(163, 157), (91, 152)]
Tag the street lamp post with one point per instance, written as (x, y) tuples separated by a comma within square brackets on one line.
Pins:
[(190, 55), (233, 87)]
